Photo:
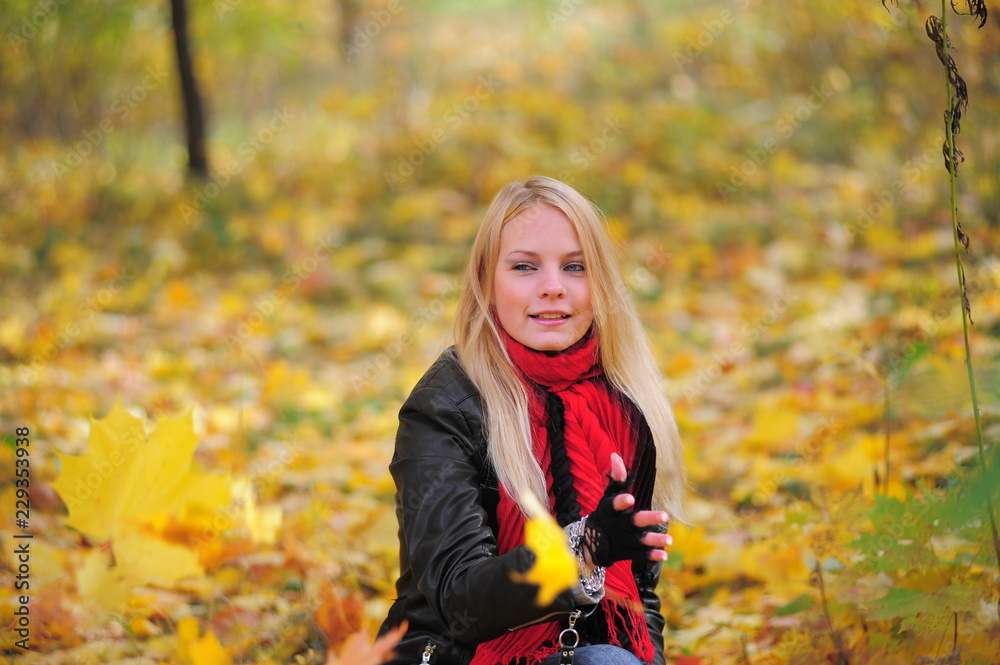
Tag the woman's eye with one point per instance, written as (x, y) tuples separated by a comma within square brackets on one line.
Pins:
[(575, 267), (523, 267)]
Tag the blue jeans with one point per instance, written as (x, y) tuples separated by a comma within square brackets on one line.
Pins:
[(597, 654)]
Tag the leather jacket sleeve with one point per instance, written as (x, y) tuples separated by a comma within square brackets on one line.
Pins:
[(444, 528), (647, 579)]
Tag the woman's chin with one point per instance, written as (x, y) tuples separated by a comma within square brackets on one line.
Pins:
[(551, 341)]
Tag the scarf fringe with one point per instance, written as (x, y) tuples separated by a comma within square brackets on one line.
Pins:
[(577, 422)]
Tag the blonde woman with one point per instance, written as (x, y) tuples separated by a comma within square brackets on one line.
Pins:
[(550, 390)]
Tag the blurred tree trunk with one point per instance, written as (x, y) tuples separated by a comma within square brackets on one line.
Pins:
[(194, 117), (349, 11)]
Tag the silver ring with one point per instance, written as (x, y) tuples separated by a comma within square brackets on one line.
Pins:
[(562, 641)]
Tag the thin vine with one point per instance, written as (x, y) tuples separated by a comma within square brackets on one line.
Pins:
[(957, 95), (958, 103)]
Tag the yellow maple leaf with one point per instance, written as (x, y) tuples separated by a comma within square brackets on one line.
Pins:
[(207, 651), (850, 466), (692, 543), (204, 650), (774, 428), (779, 565), (263, 522), (555, 568), (104, 587), (125, 480), (123, 490)]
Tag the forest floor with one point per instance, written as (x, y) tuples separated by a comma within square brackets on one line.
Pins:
[(200, 381)]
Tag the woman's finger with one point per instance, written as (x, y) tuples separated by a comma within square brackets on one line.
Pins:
[(658, 555), (617, 467), (658, 540), (623, 502), (650, 517)]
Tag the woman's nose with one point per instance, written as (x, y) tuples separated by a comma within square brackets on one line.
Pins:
[(552, 284)]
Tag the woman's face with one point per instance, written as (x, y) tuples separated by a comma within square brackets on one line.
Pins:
[(541, 290)]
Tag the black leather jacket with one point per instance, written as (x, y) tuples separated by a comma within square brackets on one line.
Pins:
[(454, 590)]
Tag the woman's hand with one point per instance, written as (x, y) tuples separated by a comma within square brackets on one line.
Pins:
[(642, 518), (614, 532)]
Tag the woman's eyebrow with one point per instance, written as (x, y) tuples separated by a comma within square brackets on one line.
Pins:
[(574, 253)]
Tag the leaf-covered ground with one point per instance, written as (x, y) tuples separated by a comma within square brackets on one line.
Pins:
[(773, 173)]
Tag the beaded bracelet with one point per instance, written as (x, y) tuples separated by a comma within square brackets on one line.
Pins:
[(593, 584)]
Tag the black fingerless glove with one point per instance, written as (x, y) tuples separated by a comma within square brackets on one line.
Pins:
[(611, 535)]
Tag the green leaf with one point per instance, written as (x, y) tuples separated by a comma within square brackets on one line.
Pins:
[(900, 536), (930, 617), (800, 604), (896, 604), (925, 613), (967, 503)]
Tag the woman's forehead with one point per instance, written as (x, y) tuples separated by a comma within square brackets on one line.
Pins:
[(539, 223)]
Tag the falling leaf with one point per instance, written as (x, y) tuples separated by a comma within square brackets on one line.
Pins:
[(555, 568), (339, 616), (358, 651)]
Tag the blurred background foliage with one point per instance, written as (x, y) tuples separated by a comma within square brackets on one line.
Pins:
[(772, 171)]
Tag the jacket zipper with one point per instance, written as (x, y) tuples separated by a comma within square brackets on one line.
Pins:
[(428, 652), (541, 620)]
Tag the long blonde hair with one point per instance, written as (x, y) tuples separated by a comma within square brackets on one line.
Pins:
[(624, 348)]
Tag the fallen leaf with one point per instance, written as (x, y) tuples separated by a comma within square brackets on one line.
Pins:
[(124, 491)]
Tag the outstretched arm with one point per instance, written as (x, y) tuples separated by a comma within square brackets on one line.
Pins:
[(445, 529)]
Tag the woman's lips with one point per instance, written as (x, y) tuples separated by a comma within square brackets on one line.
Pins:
[(549, 318)]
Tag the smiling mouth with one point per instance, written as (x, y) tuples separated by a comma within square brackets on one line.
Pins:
[(549, 317)]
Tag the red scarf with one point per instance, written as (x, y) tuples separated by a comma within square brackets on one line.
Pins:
[(596, 425)]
